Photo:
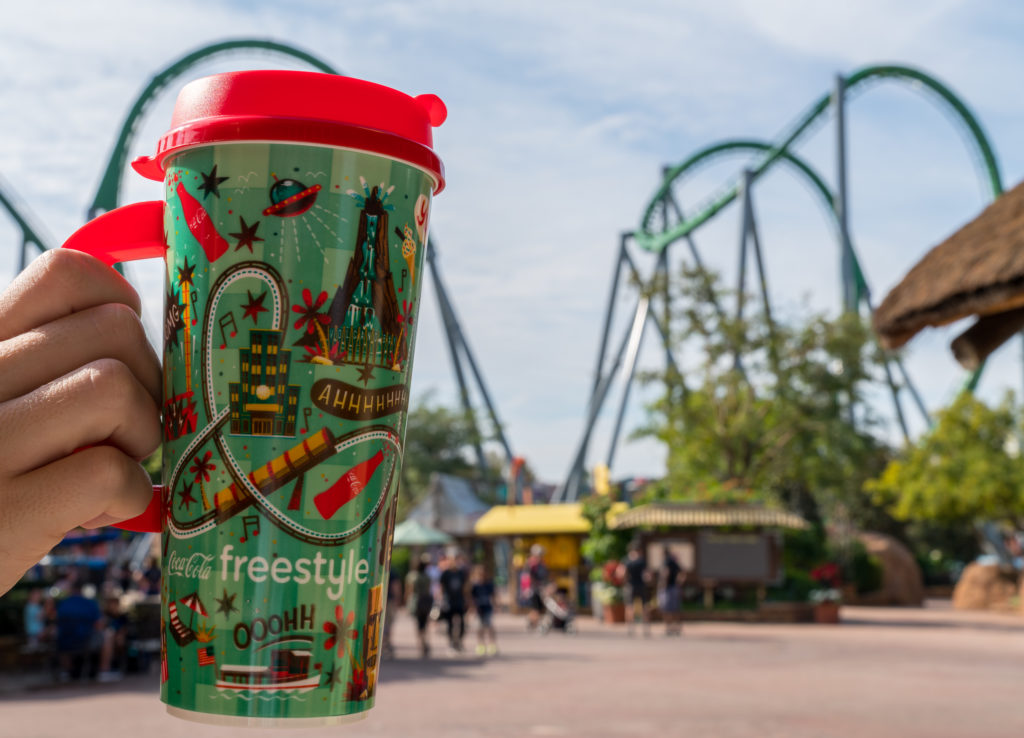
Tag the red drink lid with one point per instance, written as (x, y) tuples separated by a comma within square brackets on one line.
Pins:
[(302, 107)]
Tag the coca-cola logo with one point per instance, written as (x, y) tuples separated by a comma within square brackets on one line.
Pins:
[(196, 566)]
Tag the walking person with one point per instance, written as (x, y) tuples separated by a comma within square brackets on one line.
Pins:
[(34, 620), (637, 577), (670, 592), (454, 582), (481, 592), (421, 600), (394, 599), (532, 583)]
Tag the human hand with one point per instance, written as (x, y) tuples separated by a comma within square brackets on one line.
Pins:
[(76, 372)]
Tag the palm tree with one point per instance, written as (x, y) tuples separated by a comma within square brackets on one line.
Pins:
[(312, 318), (202, 468)]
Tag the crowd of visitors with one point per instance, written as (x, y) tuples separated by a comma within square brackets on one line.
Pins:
[(83, 623), (646, 587), (79, 627), (446, 591)]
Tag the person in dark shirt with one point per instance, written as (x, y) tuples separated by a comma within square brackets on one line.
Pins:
[(535, 577), (670, 592), (481, 592), (78, 620), (420, 600), (637, 578), (454, 580)]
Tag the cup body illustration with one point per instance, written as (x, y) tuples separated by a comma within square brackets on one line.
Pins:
[(291, 292)]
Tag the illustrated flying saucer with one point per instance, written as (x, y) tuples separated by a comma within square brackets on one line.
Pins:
[(290, 197)]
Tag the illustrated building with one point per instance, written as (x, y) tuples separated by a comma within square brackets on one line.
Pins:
[(263, 403)]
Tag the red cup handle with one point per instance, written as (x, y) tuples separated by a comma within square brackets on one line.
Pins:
[(149, 521), (126, 234)]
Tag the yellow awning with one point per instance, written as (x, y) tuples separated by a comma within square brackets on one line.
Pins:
[(522, 520)]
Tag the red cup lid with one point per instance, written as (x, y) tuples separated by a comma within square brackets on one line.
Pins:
[(302, 107)]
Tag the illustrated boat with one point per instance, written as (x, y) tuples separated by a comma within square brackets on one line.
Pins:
[(288, 671)]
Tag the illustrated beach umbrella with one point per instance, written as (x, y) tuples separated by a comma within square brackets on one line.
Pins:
[(414, 533), (979, 270), (193, 603)]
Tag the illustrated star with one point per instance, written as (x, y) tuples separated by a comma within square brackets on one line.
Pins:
[(226, 604), (186, 496), (173, 322), (185, 273), (211, 182), (254, 307), (333, 676), (247, 236), (366, 374)]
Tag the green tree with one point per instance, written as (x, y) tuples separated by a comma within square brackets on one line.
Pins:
[(768, 410), (438, 439), (967, 468)]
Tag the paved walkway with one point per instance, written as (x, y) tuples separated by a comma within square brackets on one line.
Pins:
[(883, 672)]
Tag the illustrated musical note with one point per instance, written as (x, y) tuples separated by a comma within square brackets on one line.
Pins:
[(405, 273), (228, 319), (249, 521), (306, 412)]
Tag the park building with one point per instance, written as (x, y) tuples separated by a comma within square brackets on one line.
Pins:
[(263, 403)]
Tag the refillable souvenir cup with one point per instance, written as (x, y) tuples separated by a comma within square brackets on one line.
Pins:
[(293, 228)]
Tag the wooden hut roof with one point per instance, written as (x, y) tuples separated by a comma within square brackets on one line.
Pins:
[(685, 515), (979, 270)]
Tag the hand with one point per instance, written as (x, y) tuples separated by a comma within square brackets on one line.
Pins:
[(76, 372)]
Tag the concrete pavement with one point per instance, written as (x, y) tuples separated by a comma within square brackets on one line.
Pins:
[(883, 672)]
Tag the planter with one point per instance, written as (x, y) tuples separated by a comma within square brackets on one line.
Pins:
[(826, 612), (615, 612)]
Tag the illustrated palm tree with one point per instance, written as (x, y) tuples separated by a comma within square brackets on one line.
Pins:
[(311, 317), (201, 468)]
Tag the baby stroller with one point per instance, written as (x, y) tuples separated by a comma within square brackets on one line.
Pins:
[(558, 614)]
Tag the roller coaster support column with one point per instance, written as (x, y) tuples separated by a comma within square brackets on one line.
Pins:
[(749, 232), (660, 277), (459, 347), (613, 293), (451, 333), (30, 236), (570, 489), (850, 290)]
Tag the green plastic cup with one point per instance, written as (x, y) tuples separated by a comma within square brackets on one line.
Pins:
[(294, 232)]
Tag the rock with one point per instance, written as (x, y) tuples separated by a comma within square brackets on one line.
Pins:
[(984, 587), (902, 582)]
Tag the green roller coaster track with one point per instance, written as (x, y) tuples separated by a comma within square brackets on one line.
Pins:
[(654, 241), (109, 191), (657, 241), (815, 180)]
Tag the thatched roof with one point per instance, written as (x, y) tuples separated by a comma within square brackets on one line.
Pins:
[(979, 270), (684, 515)]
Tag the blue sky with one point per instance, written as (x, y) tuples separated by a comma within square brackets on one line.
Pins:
[(561, 116)]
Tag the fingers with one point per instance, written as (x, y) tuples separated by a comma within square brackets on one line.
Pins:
[(102, 402), (38, 508), (58, 283), (54, 349)]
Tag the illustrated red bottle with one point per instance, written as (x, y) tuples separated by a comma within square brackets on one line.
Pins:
[(200, 225), (348, 487)]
